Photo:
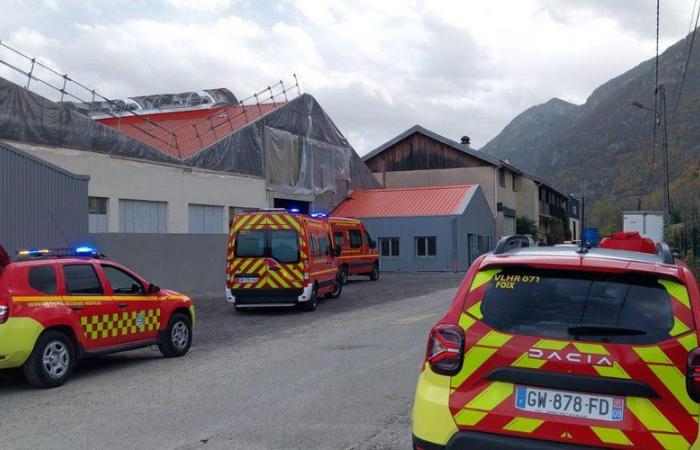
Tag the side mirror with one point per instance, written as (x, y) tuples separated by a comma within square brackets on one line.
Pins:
[(153, 289), (337, 250)]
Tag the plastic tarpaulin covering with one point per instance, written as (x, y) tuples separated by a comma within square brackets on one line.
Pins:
[(296, 147), (25, 116)]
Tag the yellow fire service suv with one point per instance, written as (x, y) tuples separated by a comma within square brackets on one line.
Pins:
[(281, 258), (57, 306)]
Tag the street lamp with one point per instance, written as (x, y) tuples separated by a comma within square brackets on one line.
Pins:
[(659, 115)]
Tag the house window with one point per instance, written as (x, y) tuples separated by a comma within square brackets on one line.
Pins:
[(206, 219), (426, 246), (389, 246), (516, 181), (97, 213), (502, 176), (355, 238), (139, 216), (508, 225)]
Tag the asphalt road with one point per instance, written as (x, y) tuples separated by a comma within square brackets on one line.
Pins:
[(341, 377)]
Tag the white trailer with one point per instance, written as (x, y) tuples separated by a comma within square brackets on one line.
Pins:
[(648, 223)]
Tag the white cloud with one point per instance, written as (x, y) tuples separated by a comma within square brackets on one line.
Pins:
[(377, 67)]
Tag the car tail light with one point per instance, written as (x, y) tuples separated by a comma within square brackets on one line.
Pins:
[(4, 313), (692, 381), (445, 349)]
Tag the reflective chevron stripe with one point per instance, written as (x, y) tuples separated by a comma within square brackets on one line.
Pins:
[(611, 436)]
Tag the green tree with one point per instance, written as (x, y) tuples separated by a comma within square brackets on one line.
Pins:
[(606, 216), (525, 225)]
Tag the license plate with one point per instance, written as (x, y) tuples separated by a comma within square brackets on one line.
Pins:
[(572, 404), (245, 280)]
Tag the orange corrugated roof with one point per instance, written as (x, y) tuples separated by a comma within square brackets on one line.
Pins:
[(403, 202), (181, 134)]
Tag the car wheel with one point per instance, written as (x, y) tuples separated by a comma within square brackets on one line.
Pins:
[(178, 338), (344, 275), (51, 361), (374, 274), (337, 289), (310, 304)]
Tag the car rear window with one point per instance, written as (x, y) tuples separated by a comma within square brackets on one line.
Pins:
[(43, 279), (281, 245), (549, 303), (250, 244), (284, 245)]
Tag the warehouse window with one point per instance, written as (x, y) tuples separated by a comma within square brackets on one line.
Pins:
[(355, 238), (206, 219), (426, 246), (389, 246), (97, 213), (139, 216)]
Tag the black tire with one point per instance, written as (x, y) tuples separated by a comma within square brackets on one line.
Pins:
[(374, 274), (178, 337), (344, 275), (52, 360), (337, 289), (310, 304)]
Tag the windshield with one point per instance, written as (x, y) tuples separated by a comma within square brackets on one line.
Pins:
[(281, 245), (557, 304)]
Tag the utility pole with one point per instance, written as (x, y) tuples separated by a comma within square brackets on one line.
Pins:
[(664, 144)]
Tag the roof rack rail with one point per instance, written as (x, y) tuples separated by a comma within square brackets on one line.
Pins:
[(665, 252), (513, 241)]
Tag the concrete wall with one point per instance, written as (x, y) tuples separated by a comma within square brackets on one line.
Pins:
[(40, 205), (123, 178), (527, 201), (194, 264)]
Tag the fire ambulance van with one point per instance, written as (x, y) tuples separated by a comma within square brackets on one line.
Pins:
[(280, 258), (359, 250)]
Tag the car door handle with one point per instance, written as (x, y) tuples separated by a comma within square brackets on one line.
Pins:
[(76, 307), (123, 305)]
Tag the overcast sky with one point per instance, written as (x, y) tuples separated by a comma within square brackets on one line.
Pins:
[(377, 67)]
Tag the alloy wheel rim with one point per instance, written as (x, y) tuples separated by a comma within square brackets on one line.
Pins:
[(180, 335), (56, 359)]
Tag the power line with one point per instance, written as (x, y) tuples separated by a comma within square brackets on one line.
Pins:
[(679, 89)]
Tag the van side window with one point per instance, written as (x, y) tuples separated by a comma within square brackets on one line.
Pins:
[(43, 279), (323, 244), (81, 279), (355, 238), (339, 238), (313, 244)]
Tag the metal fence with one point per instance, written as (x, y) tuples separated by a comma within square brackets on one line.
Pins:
[(43, 79)]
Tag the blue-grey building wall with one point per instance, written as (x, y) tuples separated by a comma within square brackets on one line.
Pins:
[(41, 205), (454, 252)]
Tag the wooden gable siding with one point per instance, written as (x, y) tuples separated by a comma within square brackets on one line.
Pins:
[(420, 152)]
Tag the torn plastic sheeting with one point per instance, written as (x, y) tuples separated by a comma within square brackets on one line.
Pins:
[(240, 152), (282, 157)]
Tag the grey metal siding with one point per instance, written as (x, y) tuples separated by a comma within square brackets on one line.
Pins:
[(407, 229), (41, 205), (478, 220)]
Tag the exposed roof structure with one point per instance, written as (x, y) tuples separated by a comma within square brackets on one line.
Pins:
[(407, 202), (431, 134), (181, 134)]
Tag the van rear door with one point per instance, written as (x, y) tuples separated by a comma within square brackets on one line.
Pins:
[(266, 252), (587, 358)]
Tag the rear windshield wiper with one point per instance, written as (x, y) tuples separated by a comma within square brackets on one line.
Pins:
[(604, 330)]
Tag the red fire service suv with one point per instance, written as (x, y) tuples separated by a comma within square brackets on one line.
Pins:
[(57, 306), (280, 258), (359, 250), (564, 348)]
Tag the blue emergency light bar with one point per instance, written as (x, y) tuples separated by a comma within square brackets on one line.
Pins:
[(319, 215), (294, 210)]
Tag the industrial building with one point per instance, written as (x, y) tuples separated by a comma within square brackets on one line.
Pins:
[(433, 229), (40, 203)]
